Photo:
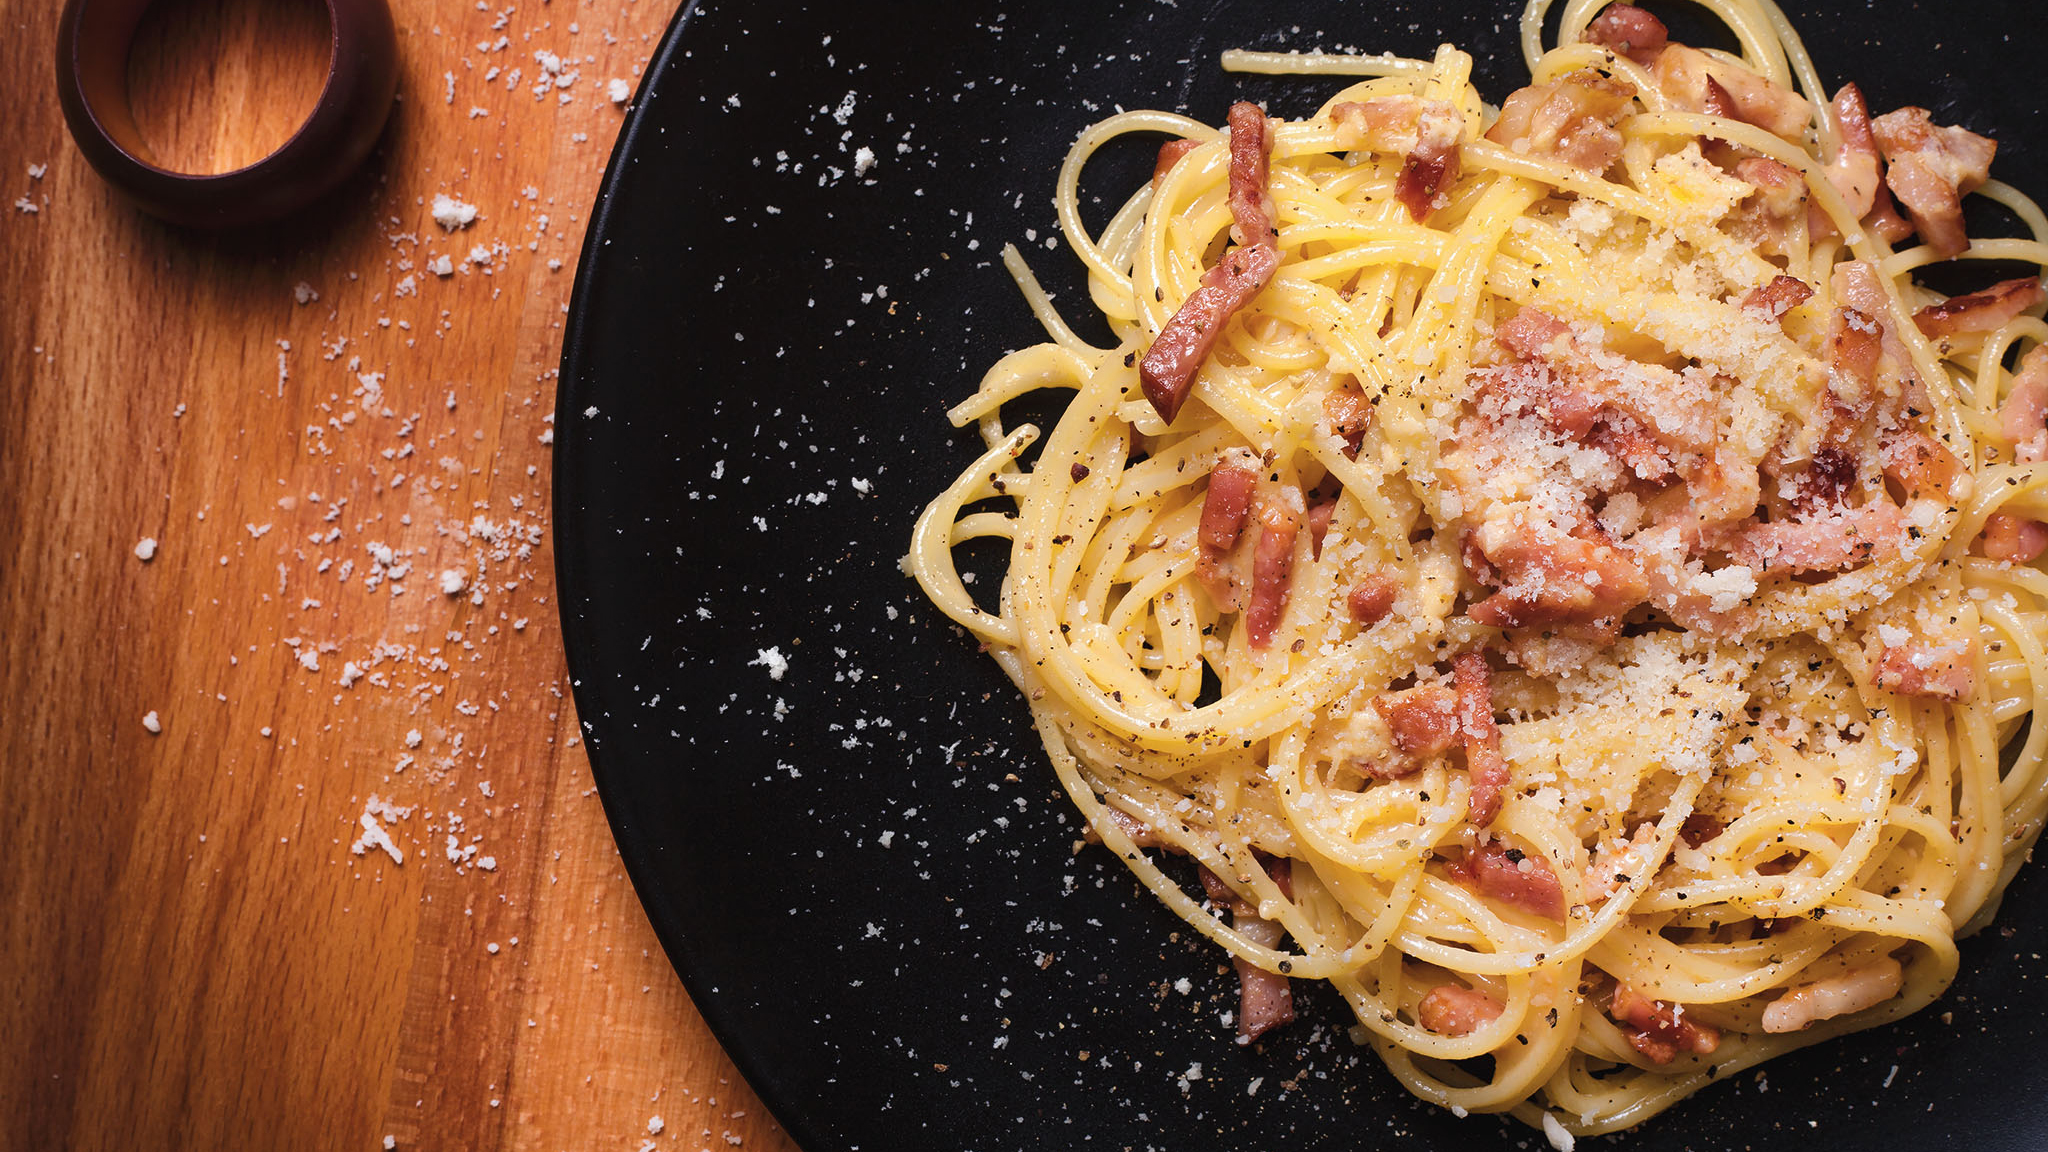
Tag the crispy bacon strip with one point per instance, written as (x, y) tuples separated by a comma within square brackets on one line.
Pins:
[(1169, 155), (1168, 369), (1630, 31), (1279, 513), (1512, 877), (1659, 1030), (1455, 1010), (2013, 539), (1929, 167), (1921, 465), (1425, 132), (1254, 219), (1929, 670), (1372, 598), (1982, 311), (1780, 296), (1571, 118), (1483, 761)]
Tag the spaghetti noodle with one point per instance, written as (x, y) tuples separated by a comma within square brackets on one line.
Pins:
[(1550, 569)]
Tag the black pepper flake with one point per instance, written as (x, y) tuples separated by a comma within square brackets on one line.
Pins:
[(1516, 855), (1079, 472), (1130, 358)]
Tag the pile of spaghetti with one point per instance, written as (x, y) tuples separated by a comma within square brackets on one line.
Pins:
[(1548, 571)]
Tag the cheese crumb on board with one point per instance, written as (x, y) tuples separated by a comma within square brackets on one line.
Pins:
[(150, 722), (451, 213), (145, 548)]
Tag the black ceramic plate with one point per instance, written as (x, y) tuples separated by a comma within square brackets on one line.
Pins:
[(860, 864)]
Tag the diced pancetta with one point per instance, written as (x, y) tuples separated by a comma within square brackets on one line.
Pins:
[(1659, 1030), (1929, 167), (1265, 1000), (1349, 414), (1545, 576), (1697, 82), (1512, 877), (1778, 297), (1424, 132), (1572, 118), (1806, 1004), (1167, 372), (1169, 155), (1774, 217), (2023, 417), (1629, 31), (1253, 217), (1225, 508), (1455, 1010), (1423, 720), (1484, 765), (1832, 541), (1984, 311), (1279, 511), (1934, 670), (2013, 539), (1855, 169), (1372, 598)]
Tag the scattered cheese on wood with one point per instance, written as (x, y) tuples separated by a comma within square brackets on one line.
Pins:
[(145, 548), (150, 722)]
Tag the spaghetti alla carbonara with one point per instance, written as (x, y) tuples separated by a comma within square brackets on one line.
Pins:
[(1547, 570)]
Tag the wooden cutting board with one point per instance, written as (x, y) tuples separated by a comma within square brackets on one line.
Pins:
[(344, 635)]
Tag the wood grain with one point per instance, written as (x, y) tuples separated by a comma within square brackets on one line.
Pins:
[(191, 954)]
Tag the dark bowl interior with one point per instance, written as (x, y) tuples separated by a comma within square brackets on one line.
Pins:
[(861, 865)]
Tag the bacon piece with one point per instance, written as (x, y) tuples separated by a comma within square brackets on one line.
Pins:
[(1512, 877), (1659, 1030), (1254, 219), (1630, 31), (1700, 828), (1265, 1000), (1168, 369), (1884, 220), (1982, 311), (1929, 670), (1929, 167), (1280, 513), (1855, 169), (1424, 720), (1546, 577), (1483, 762), (1140, 833), (1780, 296), (1805, 1004), (1319, 514), (2013, 539), (1533, 334), (1350, 415), (1455, 1010), (1571, 118), (1922, 465), (1425, 132), (1696, 82), (1832, 542), (1169, 155), (1775, 213), (1225, 507), (2023, 418), (1372, 598)]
